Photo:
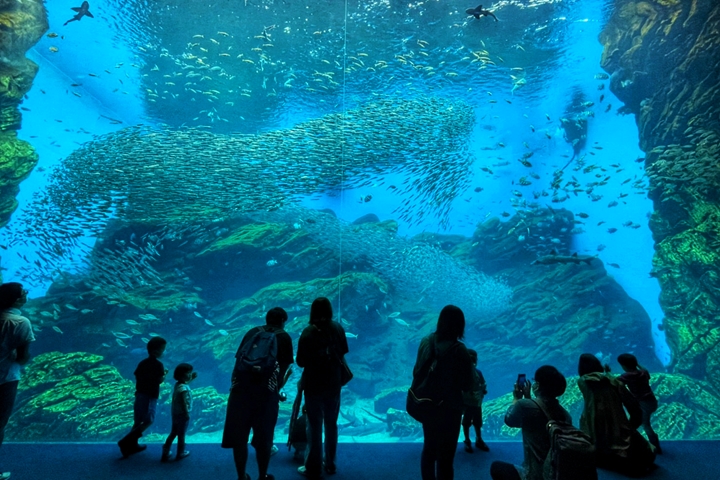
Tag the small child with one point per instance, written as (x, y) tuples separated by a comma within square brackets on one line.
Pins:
[(473, 408), (181, 408), (298, 437), (149, 374), (637, 380)]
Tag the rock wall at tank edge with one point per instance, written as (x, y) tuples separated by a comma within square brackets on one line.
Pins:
[(664, 60), (22, 24)]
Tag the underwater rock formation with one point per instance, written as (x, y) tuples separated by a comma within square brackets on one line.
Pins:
[(22, 24), (71, 396), (688, 409), (557, 310), (664, 61), (76, 396)]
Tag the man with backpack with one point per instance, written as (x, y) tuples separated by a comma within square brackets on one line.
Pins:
[(264, 356), (552, 447)]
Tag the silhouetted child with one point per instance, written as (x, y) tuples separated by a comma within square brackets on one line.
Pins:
[(149, 374), (298, 437), (473, 408), (181, 407), (637, 380)]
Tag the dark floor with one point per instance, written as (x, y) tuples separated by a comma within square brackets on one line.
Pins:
[(357, 461)]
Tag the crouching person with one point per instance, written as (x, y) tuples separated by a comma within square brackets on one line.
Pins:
[(530, 416)]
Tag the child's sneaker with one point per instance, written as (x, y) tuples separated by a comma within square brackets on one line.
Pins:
[(481, 445), (182, 454), (468, 446), (4, 475), (165, 455), (274, 450)]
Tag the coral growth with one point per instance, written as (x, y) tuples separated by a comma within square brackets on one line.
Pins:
[(664, 58), (21, 26)]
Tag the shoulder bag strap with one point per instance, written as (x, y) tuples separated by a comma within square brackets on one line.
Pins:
[(544, 410)]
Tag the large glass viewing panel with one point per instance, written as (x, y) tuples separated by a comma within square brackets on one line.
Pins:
[(186, 166)]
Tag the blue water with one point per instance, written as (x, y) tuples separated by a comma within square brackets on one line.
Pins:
[(552, 45)]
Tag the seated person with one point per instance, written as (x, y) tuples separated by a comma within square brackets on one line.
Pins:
[(525, 413), (619, 445)]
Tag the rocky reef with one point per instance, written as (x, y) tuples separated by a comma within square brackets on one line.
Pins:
[(78, 396), (557, 311), (203, 287), (22, 23), (664, 61)]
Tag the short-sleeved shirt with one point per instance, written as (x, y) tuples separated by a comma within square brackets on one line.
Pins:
[(15, 332), (181, 399), (319, 350), (526, 414), (148, 377), (638, 382)]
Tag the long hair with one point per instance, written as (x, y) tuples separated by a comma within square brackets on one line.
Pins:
[(589, 363), (321, 311), (451, 323), (9, 294)]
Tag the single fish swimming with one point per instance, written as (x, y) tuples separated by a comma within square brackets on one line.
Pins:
[(554, 258), (477, 11), (82, 11)]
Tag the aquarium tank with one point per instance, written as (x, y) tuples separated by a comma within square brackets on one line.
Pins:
[(177, 168)]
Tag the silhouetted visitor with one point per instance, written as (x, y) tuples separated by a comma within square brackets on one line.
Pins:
[(15, 337), (619, 446), (297, 433), (262, 359), (321, 349), (637, 380), (454, 373), (472, 403), (298, 436), (149, 374), (527, 414), (180, 411)]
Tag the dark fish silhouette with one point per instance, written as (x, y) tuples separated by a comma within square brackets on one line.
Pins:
[(477, 11), (82, 11), (554, 258)]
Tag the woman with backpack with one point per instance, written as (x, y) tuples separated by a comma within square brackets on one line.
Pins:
[(321, 351), (442, 371), (619, 445)]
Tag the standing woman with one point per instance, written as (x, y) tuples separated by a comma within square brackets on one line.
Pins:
[(15, 337), (321, 349), (454, 370)]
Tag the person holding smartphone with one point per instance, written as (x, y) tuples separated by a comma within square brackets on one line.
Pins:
[(526, 413)]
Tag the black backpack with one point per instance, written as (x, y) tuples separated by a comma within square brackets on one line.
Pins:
[(258, 357), (424, 396), (572, 452)]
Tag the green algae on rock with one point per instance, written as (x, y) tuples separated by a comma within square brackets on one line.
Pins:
[(20, 28), (17, 159), (71, 396), (663, 57)]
